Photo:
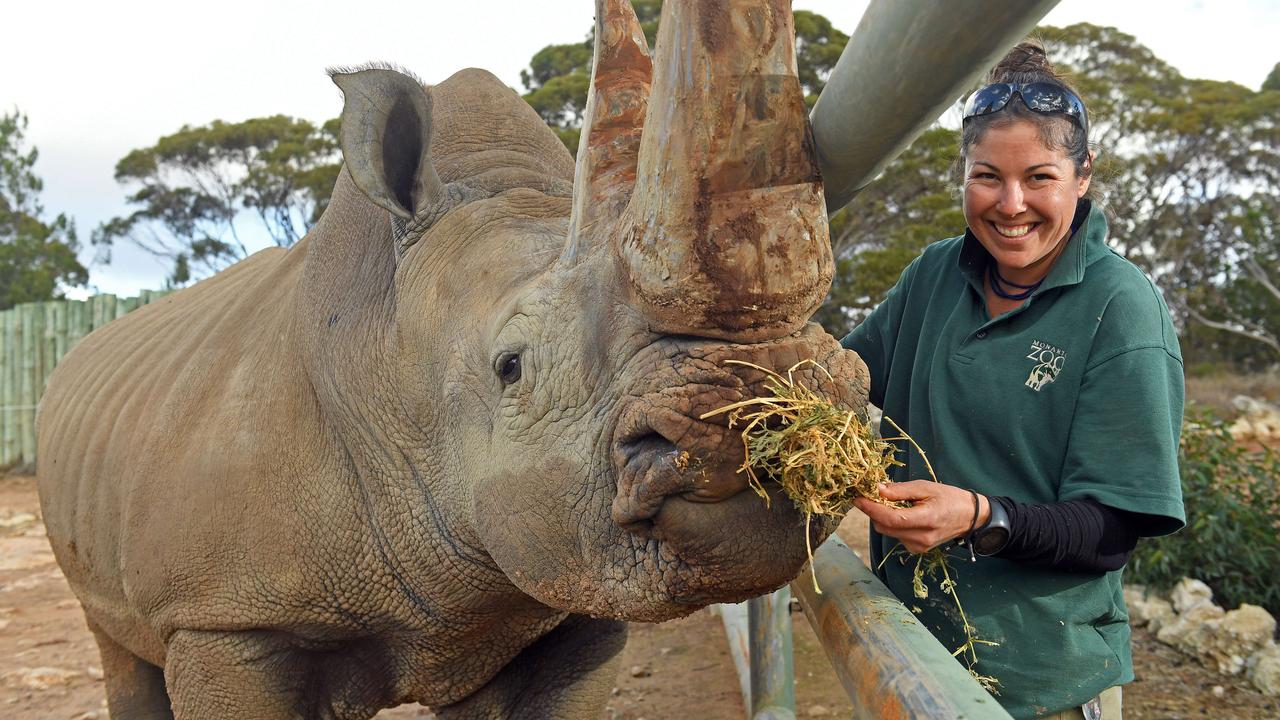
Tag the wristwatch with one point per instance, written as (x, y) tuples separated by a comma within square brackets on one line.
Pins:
[(994, 534)]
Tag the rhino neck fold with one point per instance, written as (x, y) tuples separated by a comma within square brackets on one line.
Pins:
[(368, 391)]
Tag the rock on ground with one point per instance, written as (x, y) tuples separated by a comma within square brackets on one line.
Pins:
[(1239, 635), (1193, 629), (1190, 593), (1265, 674)]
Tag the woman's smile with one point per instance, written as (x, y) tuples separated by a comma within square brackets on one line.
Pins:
[(1014, 231)]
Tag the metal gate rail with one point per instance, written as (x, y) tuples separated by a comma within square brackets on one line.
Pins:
[(889, 663)]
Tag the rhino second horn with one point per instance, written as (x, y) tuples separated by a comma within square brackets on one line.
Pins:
[(728, 230), (386, 136), (621, 72)]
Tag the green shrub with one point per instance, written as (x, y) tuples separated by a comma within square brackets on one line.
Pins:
[(1232, 537)]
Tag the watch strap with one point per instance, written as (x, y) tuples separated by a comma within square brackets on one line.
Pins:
[(997, 524)]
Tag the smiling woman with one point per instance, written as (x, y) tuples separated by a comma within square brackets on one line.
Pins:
[(1019, 200), (1026, 162), (1016, 355)]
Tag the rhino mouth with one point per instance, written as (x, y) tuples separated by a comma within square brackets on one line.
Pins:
[(661, 448), (693, 515), (679, 490), (664, 457)]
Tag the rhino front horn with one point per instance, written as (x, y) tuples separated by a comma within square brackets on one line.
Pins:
[(726, 233)]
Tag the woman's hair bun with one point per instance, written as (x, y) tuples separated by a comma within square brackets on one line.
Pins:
[(1026, 62)]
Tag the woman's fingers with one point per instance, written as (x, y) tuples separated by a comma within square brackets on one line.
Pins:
[(937, 513), (910, 490), (884, 515)]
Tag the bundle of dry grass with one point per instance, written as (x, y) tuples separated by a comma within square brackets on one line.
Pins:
[(824, 458)]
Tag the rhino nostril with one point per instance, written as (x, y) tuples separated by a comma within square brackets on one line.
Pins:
[(648, 446)]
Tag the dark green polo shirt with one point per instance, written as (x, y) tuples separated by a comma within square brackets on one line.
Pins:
[(1075, 394)]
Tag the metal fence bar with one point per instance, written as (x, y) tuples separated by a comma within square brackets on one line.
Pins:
[(759, 633), (736, 631), (773, 690), (889, 664)]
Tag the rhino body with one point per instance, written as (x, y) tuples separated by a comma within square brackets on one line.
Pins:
[(443, 447)]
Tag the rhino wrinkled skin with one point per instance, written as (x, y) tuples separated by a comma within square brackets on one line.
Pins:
[(428, 454)]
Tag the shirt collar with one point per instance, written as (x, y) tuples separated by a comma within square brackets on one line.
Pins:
[(1087, 243)]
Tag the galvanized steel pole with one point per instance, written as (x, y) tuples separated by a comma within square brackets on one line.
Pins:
[(889, 664), (759, 633)]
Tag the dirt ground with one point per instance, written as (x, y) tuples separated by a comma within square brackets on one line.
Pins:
[(49, 667)]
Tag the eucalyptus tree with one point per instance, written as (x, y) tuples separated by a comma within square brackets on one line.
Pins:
[(1193, 172), (37, 257), (193, 190)]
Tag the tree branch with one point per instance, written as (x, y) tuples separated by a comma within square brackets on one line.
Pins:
[(1257, 335), (1256, 271)]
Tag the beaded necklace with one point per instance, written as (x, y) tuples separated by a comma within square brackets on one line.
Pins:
[(997, 280)]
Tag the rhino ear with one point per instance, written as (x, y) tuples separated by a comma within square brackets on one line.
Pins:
[(386, 134)]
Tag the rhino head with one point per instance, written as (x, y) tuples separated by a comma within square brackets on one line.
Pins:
[(523, 350)]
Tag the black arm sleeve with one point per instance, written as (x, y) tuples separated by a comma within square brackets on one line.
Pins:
[(1077, 535)]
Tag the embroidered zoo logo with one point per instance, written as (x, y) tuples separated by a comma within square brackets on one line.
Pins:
[(1048, 363)]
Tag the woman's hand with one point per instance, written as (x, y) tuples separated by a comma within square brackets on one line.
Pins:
[(937, 514)]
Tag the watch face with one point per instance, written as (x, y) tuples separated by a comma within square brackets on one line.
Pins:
[(990, 540)]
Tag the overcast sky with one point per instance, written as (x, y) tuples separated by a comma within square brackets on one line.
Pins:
[(98, 79)]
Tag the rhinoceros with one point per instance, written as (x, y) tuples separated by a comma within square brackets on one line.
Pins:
[(442, 449)]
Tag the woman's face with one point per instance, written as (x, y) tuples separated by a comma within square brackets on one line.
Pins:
[(1019, 198)]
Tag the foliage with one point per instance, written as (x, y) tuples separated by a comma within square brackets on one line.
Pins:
[(1232, 282), (37, 258), (648, 12), (555, 61), (911, 205), (194, 186), (818, 47), (1211, 351), (1273, 79), (1232, 537), (824, 457), (557, 81)]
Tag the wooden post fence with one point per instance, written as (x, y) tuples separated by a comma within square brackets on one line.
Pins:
[(33, 338)]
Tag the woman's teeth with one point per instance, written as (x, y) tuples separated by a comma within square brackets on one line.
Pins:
[(1013, 230)]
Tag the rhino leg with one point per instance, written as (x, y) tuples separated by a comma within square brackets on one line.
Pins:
[(567, 673), (269, 675), (135, 687)]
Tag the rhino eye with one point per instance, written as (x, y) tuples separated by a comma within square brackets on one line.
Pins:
[(509, 368)]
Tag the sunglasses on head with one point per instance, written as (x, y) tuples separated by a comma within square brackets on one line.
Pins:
[(1042, 97)]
